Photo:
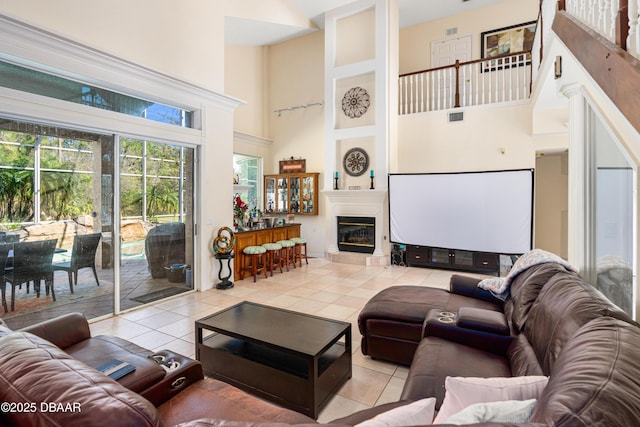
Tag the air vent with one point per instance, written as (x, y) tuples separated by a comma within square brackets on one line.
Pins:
[(456, 117), (452, 31)]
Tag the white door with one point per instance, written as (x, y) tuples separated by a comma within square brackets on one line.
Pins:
[(446, 52)]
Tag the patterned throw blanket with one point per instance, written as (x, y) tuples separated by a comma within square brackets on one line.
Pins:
[(499, 286)]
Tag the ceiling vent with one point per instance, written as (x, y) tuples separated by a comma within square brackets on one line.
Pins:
[(456, 117)]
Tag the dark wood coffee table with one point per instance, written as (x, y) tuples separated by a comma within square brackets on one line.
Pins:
[(293, 359)]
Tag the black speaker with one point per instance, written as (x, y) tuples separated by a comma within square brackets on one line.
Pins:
[(399, 255)]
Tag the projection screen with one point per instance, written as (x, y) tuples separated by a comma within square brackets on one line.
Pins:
[(475, 211)]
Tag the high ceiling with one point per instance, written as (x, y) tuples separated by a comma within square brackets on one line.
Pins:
[(256, 33)]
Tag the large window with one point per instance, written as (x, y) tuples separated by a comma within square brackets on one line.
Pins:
[(32, 81), (248, 177), (61, 184)]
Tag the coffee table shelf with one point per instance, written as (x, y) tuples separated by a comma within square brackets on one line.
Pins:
[(293, 359)]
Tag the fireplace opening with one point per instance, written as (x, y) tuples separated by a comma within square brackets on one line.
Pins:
[(356, 234)]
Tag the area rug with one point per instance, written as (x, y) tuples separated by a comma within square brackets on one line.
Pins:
[(162, 293)]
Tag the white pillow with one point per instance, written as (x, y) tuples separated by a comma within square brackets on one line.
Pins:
[(417, 413), (461, 392), (508, 411)]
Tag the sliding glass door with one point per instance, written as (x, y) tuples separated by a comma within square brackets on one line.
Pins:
[(156, 209), (612, 216), (55, 184), (124, 204)]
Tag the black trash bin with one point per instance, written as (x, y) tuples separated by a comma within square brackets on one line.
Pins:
[(177, 273)]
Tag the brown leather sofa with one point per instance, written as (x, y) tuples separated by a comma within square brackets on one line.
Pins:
[(48, 378), (556, 325), (553, 324)]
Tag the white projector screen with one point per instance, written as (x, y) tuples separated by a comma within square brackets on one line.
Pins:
[(475, 211)]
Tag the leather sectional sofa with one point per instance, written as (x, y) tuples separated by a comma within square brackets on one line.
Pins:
[(552, 324), (556, 325)]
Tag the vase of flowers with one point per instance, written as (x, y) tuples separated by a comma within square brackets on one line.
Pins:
[(240, 209)]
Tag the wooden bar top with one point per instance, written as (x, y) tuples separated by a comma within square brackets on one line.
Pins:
[(260, 236)]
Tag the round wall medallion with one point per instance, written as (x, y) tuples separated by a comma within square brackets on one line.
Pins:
[(355, 162), (355, 102)]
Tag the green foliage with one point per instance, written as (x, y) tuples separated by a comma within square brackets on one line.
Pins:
[(67, 173)]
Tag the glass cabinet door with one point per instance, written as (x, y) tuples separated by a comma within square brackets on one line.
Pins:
[(291, 193), (270, 195), (294, 195), (283, 189), (308, 194)]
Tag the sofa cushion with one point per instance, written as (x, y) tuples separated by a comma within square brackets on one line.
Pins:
[(595, 379), (436, 359), (509, 411), (391, 321), (564, 305), (103, 348), (210, 398), (34, 370), (462, 392)]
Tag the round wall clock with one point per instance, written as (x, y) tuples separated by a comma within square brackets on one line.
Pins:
[(355, 102), (355, 162)]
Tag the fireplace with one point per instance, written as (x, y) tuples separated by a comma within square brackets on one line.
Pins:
[(357, 234)]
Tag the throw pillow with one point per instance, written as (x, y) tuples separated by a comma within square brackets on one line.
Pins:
[(461, 392), (509, 411), (417, 413)]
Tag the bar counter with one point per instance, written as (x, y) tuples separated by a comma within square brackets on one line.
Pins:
[(259, 236)]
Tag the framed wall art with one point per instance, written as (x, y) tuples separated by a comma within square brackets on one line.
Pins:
[(293, 166), (508, 40)]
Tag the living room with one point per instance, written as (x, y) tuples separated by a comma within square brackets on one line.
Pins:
[(290, 73)]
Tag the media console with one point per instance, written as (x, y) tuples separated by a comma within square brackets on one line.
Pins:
[(454, 259)]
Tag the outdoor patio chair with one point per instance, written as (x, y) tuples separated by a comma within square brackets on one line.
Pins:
[(32, 263), (83, 255), (4, 255)]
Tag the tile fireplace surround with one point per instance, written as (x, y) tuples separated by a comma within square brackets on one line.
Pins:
[(359, 203)]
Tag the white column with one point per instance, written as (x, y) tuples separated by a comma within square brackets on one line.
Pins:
[(577, 214)]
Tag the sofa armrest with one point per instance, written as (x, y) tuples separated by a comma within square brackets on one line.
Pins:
[(446, 327), (62, 331), (468, 287)]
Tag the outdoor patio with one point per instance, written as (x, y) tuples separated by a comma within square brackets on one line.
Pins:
[(137, 287)]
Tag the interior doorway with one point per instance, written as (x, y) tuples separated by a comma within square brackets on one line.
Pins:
[(551, 203), (446, 52)]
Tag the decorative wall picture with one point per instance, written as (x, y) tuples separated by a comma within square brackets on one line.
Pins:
[(356, 102), (293, 166), (355, 162), (508, 40)]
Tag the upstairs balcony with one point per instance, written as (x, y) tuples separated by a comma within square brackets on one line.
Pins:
[(603, 35)]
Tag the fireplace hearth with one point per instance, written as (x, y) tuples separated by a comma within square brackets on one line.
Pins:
[(356, 234)]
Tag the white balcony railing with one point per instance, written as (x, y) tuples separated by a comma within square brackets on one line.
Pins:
[(616, 20), (486, 81)]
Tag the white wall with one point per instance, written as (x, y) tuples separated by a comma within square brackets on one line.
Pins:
[(183, 40), (490, 138), (296, 68), (415, 41), (247, 78)]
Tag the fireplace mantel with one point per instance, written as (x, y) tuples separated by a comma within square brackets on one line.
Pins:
[(371, 203)]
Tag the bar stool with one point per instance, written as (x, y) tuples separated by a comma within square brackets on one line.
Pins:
[(256, 255), (301, 244), (288, 247), (274, 251)]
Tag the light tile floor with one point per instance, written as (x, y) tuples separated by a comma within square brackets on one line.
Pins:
[(337, 291)]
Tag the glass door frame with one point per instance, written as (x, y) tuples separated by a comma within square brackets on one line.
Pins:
[(591, 119)]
